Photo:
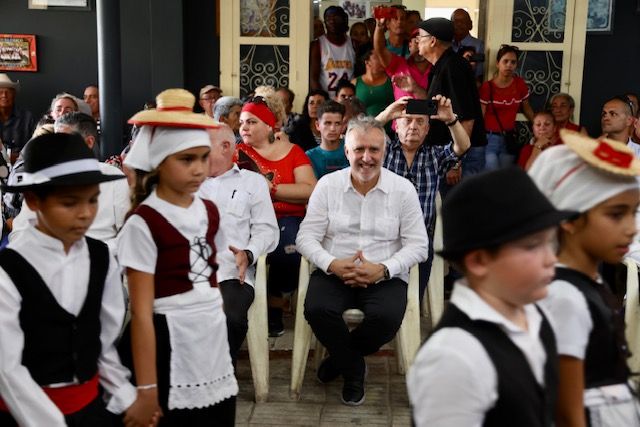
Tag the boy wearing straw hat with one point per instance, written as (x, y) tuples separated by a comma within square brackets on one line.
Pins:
[(492, 359), (61, 300)]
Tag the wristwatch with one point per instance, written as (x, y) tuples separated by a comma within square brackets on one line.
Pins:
[(249, 256), (453, 122), (386, 276)]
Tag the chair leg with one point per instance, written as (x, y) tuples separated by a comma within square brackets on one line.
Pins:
[(408, 337), (435, 287), (258, 335), (302, 334)]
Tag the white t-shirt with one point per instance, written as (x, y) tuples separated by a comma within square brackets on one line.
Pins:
[(336, 63)]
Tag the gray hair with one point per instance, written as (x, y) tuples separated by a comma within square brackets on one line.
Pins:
[(223, 106), (83, 124), (569, 98), (363, 124), (64, 95)]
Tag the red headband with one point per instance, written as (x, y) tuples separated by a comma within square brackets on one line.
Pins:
[(261, 111)]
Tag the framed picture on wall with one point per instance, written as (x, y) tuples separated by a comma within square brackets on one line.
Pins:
[(600, 17), (18, 52), (60, 4)]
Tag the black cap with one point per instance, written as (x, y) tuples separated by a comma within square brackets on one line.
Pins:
[(57, 159), (493, 208), (440, 28)]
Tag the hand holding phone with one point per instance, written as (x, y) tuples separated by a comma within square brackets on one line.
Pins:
[(384, 12), (428, 107)]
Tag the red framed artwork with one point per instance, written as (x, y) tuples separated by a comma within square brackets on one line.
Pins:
[(18, 52)]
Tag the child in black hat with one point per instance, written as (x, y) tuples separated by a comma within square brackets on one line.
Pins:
[(61, 301), (492, 358)]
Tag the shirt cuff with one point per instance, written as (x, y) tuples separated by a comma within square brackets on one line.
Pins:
[(324, 262), (256, 253), (122, 399), (393, 266)]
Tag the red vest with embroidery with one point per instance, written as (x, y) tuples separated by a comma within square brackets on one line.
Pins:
[(173, 263)]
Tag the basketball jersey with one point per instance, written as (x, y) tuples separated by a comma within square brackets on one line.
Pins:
[(336, 63)]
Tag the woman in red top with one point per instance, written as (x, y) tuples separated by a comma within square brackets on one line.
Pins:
[(268, 151), (562, 106), (501, 98)]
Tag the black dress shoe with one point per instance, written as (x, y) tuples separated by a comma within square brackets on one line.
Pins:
[(276, 326), (353, 392), (327, 372)]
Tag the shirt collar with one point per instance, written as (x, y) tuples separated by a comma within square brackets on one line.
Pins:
[(234, 170), (51, 243), (476, 308), (382, 184)]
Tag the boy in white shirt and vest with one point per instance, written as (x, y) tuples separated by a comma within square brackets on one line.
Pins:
[(61, 299), (492, 360)]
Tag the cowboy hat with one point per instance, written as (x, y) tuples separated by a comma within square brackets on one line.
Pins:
[(5, 81)]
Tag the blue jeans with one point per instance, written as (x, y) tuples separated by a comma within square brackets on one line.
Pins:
[(473, 161), (496, 154), (284, 261)]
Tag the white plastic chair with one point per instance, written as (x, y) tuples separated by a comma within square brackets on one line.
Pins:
[(632, 315), (407, 339), (433, 303), (258, 334)]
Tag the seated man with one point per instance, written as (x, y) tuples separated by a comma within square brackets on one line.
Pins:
[(248, 229), (363, 230), (329, 155)]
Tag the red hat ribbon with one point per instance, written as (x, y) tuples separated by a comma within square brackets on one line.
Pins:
[(607, 153)]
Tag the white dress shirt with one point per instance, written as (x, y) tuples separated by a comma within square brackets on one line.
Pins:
[(113, 205), (386, 224), (247, 219), (67, 276), (453, 381)]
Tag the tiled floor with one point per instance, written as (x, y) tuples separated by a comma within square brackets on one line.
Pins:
[(386, 401)]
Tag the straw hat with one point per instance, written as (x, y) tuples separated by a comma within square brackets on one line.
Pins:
[(603, 153), (174, 109), (5, 81)]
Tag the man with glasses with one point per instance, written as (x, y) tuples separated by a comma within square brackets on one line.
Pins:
[(452, 77), (208, 97), (423, 165)]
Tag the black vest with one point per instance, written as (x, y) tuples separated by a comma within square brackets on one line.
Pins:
[(58, 346), (521, 400), (605, 360)]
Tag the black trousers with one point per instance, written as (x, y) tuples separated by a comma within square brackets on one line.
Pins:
[(92, 415), (237, 301), (383, 305)]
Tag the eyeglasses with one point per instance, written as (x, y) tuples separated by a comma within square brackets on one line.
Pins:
[(207, 99), (510, 47), (418, 36)]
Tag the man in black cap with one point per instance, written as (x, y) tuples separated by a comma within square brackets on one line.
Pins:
[(492, 360), (452, 76)]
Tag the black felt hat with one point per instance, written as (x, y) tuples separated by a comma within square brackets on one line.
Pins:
[(493, 208), (57, 159), (440, 28)]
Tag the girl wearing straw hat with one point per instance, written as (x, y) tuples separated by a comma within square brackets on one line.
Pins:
[(598, 179), (178, 328)]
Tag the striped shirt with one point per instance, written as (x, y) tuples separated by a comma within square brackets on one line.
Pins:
[(429, 166)]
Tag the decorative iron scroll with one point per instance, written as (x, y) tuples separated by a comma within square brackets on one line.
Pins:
[(542, 70), (264, 18), (538, 21), (263, 65)]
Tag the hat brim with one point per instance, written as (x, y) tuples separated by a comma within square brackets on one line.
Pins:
[(76, 179), (539, 223), (585, 147), (173, 119)]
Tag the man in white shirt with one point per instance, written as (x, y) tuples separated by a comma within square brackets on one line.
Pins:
[(113, 202), (363, 230), (616, 120), (248, 229)]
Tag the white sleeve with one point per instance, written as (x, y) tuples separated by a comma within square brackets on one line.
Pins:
[(28, 404), (114, 377), (265, 233), (136, 247), (415, 241), (313, 228), (452, 382), (570, 317), (21, 221)]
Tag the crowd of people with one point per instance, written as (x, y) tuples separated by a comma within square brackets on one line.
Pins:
[(167, 234)]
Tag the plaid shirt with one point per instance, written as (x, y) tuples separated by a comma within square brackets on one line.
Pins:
[(429, 166)]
